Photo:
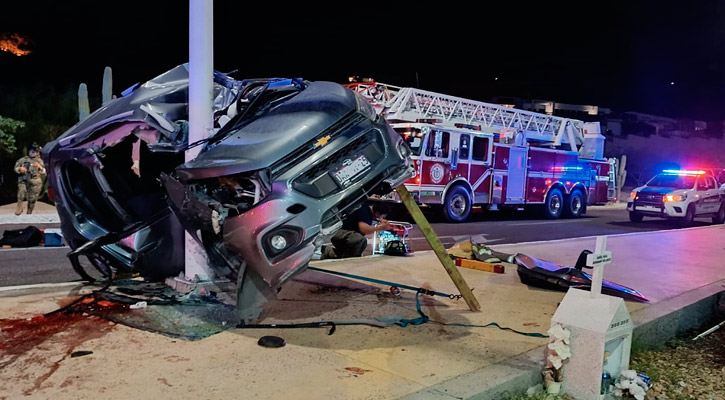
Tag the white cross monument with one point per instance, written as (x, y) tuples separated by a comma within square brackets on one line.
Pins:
[(598, 260), (601, 332)]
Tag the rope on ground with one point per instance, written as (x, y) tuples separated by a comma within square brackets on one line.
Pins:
[(423, 318), (532, 334)]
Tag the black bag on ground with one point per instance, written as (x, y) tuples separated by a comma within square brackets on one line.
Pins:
[(26, 237)]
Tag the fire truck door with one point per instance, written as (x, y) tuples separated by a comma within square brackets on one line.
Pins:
[(516, 186), (592, 186)]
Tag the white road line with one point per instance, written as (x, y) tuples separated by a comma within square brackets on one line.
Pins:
[(9, 289), (549, 222), (459, 238), (612, 235), (439, 237)]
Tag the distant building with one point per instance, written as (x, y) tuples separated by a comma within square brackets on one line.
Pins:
[(620, 123)]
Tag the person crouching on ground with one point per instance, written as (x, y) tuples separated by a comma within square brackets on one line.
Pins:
[(30, 170), (350, 240)]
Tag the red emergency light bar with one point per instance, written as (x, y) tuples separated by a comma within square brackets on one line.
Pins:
[(683, 172)]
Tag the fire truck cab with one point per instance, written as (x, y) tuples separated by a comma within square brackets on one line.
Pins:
[(468, 153)]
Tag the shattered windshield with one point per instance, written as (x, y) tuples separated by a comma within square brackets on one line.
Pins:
[(256, 98), (673, 181)]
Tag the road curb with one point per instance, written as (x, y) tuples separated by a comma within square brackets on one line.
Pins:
[(29, 219), (26, 290)]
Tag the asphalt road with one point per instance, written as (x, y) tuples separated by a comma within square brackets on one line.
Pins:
[(518, 226), (49, 264)]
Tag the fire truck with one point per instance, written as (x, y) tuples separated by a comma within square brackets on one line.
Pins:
[(469, 153)]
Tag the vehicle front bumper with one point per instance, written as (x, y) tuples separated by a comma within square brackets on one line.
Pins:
[(664, 210)]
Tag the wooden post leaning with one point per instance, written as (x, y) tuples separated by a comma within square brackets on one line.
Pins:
[(438, 248)]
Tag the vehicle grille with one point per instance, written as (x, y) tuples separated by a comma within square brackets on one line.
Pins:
[(649, 199), (351, 201), (316, 182), (306, 150)]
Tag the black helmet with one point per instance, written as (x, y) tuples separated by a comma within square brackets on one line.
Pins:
[(34, 147)]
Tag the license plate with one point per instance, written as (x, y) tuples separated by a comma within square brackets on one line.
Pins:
[(647, 208), (352, 169)]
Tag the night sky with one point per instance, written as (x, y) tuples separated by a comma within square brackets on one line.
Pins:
[(622, 55)]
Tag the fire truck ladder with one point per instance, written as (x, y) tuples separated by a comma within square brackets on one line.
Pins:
[(411, 104)]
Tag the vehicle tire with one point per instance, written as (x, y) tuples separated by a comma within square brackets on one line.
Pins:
[(719, 218), (689, 216), (457, 204), (635, 216), (91, 267), (574, 204), (553, 204)]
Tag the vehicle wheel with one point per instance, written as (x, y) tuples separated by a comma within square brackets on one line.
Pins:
[(575, 204), (457, 205), (635, 216), (719, 218), (689, 216), (92, 267), (554, 204)]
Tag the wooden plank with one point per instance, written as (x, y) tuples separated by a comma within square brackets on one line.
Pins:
[(438, 248), (480, 265)]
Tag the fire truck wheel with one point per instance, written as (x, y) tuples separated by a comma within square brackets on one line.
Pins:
[(635, 216), (719, 218), (554, 204), (457, 204), (575, 204)]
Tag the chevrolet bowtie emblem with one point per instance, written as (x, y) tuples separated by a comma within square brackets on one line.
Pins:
[(322, 141)]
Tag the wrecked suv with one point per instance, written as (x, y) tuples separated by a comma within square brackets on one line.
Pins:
[(289, 159)]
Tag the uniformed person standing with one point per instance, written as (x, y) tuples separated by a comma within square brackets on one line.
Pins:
[(30, 170)]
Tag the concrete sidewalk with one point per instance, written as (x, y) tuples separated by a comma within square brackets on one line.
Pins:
[(681, 271), (43, 213)]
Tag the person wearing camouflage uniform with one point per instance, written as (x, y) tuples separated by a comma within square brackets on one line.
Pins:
[(30, 170)]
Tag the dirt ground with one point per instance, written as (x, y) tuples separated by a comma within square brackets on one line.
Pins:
[(685, 369)]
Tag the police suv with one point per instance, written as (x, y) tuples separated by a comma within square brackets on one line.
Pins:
[(679, 194)]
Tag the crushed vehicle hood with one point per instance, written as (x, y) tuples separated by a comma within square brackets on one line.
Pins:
[(273, 135)]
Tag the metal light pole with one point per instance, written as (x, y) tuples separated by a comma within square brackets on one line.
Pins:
[(201, 118)]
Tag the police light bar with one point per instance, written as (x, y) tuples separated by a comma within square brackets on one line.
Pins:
[(429, 120), (683, 172)]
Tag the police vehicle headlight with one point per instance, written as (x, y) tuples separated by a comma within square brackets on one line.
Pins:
[(675, 198), (633, 195)]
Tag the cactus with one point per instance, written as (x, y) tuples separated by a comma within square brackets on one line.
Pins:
[(83, 108), (107, 88), (621, 175)]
